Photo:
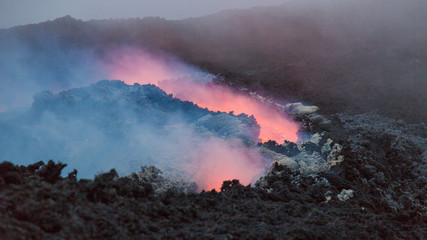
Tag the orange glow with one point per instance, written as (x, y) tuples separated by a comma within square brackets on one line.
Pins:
[(274, 124), (172, 76), (219, 161)]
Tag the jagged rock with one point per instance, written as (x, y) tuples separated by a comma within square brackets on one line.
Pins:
[(279, 158), (327, 146), (300, 109), (345, 195), (363, 167), (161, 183), (334, 156), (310, 156), (377, 181)]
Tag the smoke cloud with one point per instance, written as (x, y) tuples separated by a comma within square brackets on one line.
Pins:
[(191, 84), (113, 125), (335, 54), (13, 13), (27, 67), (96, 129)]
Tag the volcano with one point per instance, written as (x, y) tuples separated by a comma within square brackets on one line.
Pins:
[(300, 121)]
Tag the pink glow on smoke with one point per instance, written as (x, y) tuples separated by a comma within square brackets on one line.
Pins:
[(274, 125), (218, 162), (173, 77)]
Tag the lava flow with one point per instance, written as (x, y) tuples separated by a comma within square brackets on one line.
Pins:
[(175, 78), (274, 125), (220, 161)]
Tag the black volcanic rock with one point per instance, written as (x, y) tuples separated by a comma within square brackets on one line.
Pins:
[(377, 192), (363, 176)]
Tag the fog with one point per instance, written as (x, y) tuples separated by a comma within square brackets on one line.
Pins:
[(27, 68), (340, 55), (13, 13), (134, 65), (113, 125)]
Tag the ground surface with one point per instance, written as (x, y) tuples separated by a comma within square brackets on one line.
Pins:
[(364, 177), (377, 192)]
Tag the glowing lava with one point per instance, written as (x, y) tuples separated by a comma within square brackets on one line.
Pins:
[(221, 160), (274, 124), (133, 66)]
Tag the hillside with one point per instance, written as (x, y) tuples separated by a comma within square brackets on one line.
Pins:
[(300, 121), (341, 57), (375, 191)]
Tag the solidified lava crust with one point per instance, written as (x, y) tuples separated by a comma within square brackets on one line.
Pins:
[(377, 192)]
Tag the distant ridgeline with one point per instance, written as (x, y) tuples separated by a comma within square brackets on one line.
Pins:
[(95, 121)]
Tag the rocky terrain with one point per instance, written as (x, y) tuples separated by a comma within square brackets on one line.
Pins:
[(365, 179), (359, 170)]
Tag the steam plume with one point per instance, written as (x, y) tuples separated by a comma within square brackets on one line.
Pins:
[(204, 158), (190, 84)]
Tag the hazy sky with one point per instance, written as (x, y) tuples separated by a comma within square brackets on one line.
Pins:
[(19, 12)]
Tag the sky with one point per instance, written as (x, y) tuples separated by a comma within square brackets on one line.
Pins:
[(21, 12)]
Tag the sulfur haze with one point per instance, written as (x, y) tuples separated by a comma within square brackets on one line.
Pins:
[(13, 13), (340, 55), (113, 125), (191, 84), (345, 55)]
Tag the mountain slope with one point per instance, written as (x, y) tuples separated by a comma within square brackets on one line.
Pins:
[(353, 55)]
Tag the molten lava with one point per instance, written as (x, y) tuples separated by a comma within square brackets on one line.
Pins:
[(214, 166), (219, 160), (274, 124), (172, 76)]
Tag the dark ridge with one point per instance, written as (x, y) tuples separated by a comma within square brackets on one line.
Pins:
[(377, 192), (346, 57)]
